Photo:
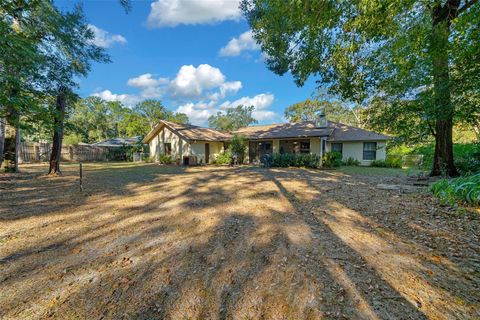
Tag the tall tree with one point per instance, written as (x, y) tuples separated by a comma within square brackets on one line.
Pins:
[(69, 51), (23, 25), (309, 109), (398, 51), (233, 118), (152, 110)]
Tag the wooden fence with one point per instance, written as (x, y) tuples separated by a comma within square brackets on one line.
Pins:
[(40, 152)]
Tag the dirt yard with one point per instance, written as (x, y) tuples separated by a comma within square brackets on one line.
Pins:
[(152, 242)]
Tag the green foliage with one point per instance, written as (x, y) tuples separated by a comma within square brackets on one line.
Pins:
[(466, 156), (389, 162), (73, 139), (294, 160), (414, 63), (94, 119), (332, 160), (165, 159), (238, 147), (351, 162), (462, 190), (232, 119), (309, 110), (151, 110), (224, 157)]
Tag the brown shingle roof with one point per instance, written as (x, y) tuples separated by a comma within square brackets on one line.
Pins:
[(334, 131), (188, 132), (343, 132), (284, 130)]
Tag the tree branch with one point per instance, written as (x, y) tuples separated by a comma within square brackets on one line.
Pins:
[(466, 6)]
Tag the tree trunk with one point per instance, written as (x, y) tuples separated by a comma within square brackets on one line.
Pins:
[(59, 115), (2, 140), (17, 147), (443, 158)]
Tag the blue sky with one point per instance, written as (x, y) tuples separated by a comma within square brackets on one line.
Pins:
[(196, 56)]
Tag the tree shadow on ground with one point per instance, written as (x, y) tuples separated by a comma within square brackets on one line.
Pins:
[(218, 243)]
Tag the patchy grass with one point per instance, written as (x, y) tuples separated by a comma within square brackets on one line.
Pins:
[(376, 171), (145, 241)]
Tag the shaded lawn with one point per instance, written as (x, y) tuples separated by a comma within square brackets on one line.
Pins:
[(150, 242), (367, 171)]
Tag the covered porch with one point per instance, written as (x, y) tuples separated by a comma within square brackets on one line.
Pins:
[(257, 149)]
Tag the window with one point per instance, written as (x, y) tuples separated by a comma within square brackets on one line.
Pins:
[(304, 146), (168, 148), (337, 147), (369, 150), (324, 145)]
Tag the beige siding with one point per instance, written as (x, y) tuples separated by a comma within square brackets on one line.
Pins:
[(276, 146), (180, 147), (354, 149), (315, 146), (198, 150)]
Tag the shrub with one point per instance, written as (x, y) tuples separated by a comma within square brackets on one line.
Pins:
[(238, 147), (351, 162), (393, 161), (465, 155), (467, 165), (378, 163), (294, 160), (332, 159), (165, 159), (464, 190), (389, 162), (224, 158)]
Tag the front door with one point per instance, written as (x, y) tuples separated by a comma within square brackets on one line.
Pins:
[(207, 152)]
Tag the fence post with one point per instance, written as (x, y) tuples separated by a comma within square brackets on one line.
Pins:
[(81, 177)]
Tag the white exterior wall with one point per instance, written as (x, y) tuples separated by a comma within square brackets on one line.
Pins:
[(198, 150), (316, 146), (180, 147), (354, 149)]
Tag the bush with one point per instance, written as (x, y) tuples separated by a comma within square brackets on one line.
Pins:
[(393, 161), (465, 155), (294, 160), (463, 190), (378, 163), (165, 159), (238, 147), (351, 162), (224, 158), (389, 162), (332, 159)]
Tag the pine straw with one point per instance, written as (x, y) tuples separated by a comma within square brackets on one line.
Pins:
[(161, 242)]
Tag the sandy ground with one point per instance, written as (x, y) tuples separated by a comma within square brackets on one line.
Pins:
[(153, 242)]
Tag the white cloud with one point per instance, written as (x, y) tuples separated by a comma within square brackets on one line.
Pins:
[(151, 87), (126, 99), (145, 81), (260, 101), (170, 13), (104, 39), (265, 115), (244, 42), (192, 82), (226, 88), (197, 113)]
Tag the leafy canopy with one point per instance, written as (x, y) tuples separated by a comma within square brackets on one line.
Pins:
[(309, 110), (376, 52), (94, 119), (233, 118)]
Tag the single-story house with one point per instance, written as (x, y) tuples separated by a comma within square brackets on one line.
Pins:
[(186, 140)]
